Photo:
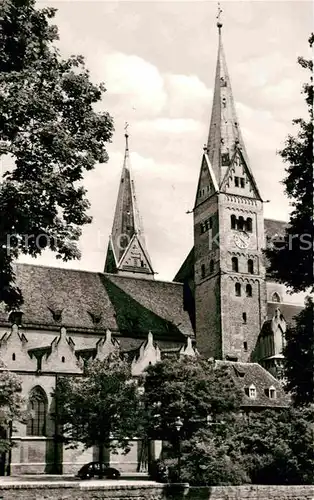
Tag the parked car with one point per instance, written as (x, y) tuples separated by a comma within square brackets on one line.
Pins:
[(95, 469)]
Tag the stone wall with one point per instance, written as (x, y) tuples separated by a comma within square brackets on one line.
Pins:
[(91, 491)]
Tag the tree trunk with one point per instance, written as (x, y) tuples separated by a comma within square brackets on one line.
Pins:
[(101, 459)]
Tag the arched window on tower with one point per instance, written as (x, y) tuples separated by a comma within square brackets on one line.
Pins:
[(240, 223), (36, 425), (233, 220), (203, 271), (237, 289), (249, 224), (235, 264), (275, 297), (211, 266), (250, 266), (248, 290)]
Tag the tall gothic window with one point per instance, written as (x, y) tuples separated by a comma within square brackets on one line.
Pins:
[(233, 220), (36, 425), (235, 264)]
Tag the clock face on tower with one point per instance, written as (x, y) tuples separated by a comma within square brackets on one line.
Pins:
[(242, 240)]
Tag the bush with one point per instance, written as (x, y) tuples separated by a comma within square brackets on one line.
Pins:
[(208, 460)]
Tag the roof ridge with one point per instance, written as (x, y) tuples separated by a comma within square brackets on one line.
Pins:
[(138, 278), (56, 267)]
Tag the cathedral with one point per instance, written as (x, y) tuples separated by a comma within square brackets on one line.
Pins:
[(222, 304)]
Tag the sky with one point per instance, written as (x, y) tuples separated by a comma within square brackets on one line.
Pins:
[(157, 60)]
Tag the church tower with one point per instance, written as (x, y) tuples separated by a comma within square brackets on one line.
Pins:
[(230, 288), (127, 254)]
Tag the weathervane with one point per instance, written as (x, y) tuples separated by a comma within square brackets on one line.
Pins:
[(126, 135), (219, 23)]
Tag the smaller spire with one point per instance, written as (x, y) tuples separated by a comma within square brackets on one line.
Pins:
[(219, 23), (127, 251)]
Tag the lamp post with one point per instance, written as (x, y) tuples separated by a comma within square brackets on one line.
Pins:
[(178, 426)]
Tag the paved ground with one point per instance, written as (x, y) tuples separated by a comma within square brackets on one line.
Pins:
[(42, 479)]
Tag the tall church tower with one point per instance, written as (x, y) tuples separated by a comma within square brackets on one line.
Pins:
[(230, 288), (127, 254)]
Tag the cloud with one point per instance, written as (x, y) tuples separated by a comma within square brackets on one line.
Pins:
[(169, 126), (262, 70), (256, 124), (147, 90), (188, 95), (133, 76)]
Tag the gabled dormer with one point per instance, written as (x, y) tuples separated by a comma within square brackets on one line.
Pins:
[(60, 357), (188, 349), (106, 346), (149, 354), (14, 351)]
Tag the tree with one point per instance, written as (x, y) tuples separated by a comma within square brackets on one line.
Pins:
[(189, 388), (12, 406), (299, 356), (277, 446), (100, 408), (291, 260), (264, 447), (52, 135)]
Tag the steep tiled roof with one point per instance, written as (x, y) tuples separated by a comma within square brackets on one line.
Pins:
[(187, 269), (289, 311), (122, 304), (274, 227), (246, 374)]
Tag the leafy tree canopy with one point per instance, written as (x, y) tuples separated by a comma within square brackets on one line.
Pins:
[(266, 447), (101, 408), (291, 261), (277, 447), (299, 356), (189, 388), (51, 133)]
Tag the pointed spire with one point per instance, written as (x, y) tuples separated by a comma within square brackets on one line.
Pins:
[(224, 137), (127, 250)]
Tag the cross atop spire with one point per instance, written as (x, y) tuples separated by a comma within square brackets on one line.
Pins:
[(127, 250), (219, 23)]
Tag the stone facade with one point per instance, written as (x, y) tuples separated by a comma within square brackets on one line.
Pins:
[(39, 359)]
